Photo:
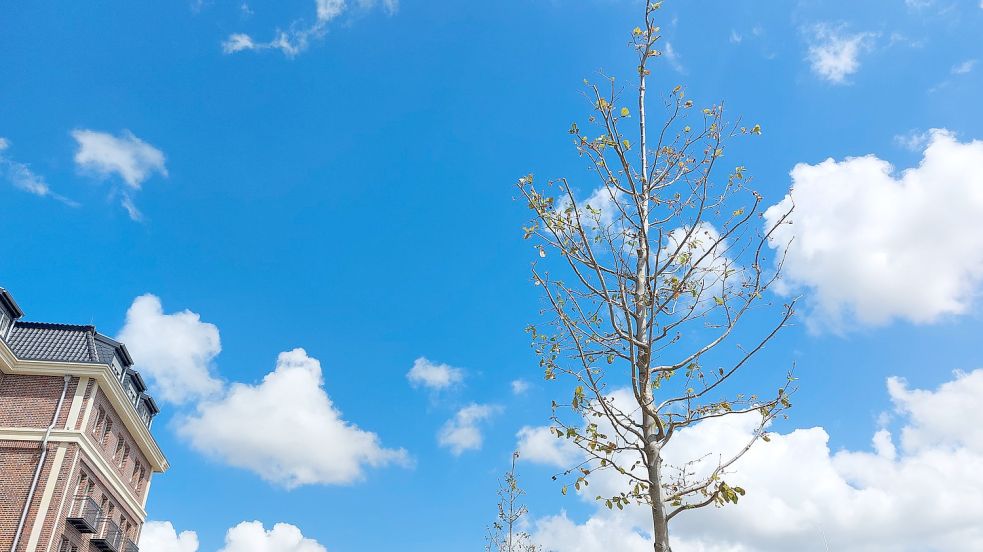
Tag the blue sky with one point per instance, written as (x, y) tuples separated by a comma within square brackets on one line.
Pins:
[(347, 188)]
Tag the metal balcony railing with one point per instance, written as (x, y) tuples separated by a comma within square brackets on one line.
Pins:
[(84, 514), (131, 546), (109, 538)]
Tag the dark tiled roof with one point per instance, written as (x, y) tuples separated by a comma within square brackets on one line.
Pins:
[(59, 342)]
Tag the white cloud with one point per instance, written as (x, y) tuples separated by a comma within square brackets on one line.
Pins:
[(600, 533), (461, 433), (248, 536), (434, 376), (673, 57), (238, 42), (286, 429), (921, 494), (127, 156), (175, 351), (22, 177), (160, 536), (736, 37), (913, 140), (539, 445), (945, 418), (519, 386), (251, 536), (874, 245), (964, 67), (299, 35), (835, 55)]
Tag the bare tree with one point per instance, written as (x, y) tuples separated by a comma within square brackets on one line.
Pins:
[(506, 533), (660, 266)]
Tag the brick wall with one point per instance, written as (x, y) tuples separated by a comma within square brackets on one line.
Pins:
[(17, 463), (107, 445), (18, 460), (30, 401)]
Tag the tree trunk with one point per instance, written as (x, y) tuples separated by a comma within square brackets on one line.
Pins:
[(653, 457)]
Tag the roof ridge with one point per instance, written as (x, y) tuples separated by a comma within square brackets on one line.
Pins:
[(55, 325)]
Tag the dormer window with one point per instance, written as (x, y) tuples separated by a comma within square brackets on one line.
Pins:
[(117, 368)]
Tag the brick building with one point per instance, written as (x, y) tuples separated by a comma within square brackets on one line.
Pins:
[(76, 453)]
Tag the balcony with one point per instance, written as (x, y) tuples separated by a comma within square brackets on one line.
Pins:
[(109, 539), (131, 546), (84, 515)]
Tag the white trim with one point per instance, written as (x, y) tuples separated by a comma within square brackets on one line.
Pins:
[(73, 412), (64, 495), (111, 387), (146, 491), (88, 410), (102, 466), (49, 491)]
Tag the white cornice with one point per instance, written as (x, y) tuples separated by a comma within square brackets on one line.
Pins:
[(97, 460), (111, 387)]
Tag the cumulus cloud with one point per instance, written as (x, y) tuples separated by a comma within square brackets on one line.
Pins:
[(175, 351), (251, 536), (834, 54), (248, 536), (921, 492), (539, 445), (873, 245), (462, 432), (126, 156), (160, 536), (434, 375), (600, 533), (299, 36), (286, 429), (23, 178)]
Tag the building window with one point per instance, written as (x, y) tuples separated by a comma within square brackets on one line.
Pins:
[(143, 476), (82, 490), (106, 431), (125, 456), (100, 419), (66, 545), (83, 484), (119, 447)]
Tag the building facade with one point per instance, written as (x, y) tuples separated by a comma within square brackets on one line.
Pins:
[(76, 452)]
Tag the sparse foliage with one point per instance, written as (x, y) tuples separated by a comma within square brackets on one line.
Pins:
[(656, 271), (507, 532)]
